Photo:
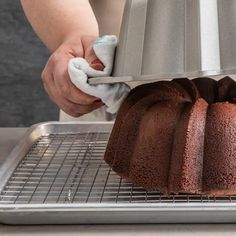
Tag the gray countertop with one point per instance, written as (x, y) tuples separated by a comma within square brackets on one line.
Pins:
[(10, 136)]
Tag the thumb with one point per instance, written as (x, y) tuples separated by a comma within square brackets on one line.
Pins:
[(90, 55), (95, 63)]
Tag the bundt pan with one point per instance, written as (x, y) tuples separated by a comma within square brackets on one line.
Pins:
[(166, 39)]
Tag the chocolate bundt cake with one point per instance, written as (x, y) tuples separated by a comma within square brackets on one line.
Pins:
[(177, 136)]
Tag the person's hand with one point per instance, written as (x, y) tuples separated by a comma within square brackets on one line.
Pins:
[(57, 82)]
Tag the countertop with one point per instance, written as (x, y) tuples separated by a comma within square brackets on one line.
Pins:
[(10, 136)]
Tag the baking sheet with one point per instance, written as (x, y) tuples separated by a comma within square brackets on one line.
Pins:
[(56, 175)]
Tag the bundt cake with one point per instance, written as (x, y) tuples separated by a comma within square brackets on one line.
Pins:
[(177, 136)]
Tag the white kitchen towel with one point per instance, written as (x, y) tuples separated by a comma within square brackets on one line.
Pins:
[(80, 71)]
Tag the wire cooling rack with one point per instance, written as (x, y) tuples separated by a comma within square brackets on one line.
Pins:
[(69, 168)]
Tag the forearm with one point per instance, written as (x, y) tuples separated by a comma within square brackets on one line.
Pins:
[(56, 21)]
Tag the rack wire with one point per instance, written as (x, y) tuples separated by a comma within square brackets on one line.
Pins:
[(69, 168)]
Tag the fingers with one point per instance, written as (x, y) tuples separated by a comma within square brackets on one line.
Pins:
[(66, 88), (89, 53), (67, 106), (59, 86), (96, 63)]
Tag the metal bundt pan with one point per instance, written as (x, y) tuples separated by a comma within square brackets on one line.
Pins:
[(165, 39)]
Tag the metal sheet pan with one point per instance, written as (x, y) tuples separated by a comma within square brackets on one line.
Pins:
[(56, 175)]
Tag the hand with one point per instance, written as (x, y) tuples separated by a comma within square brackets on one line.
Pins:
[(57, 82)]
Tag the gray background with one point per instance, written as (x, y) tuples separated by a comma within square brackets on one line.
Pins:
[(23, 101)]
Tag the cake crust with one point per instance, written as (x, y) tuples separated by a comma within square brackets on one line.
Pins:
[(177, 136)]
